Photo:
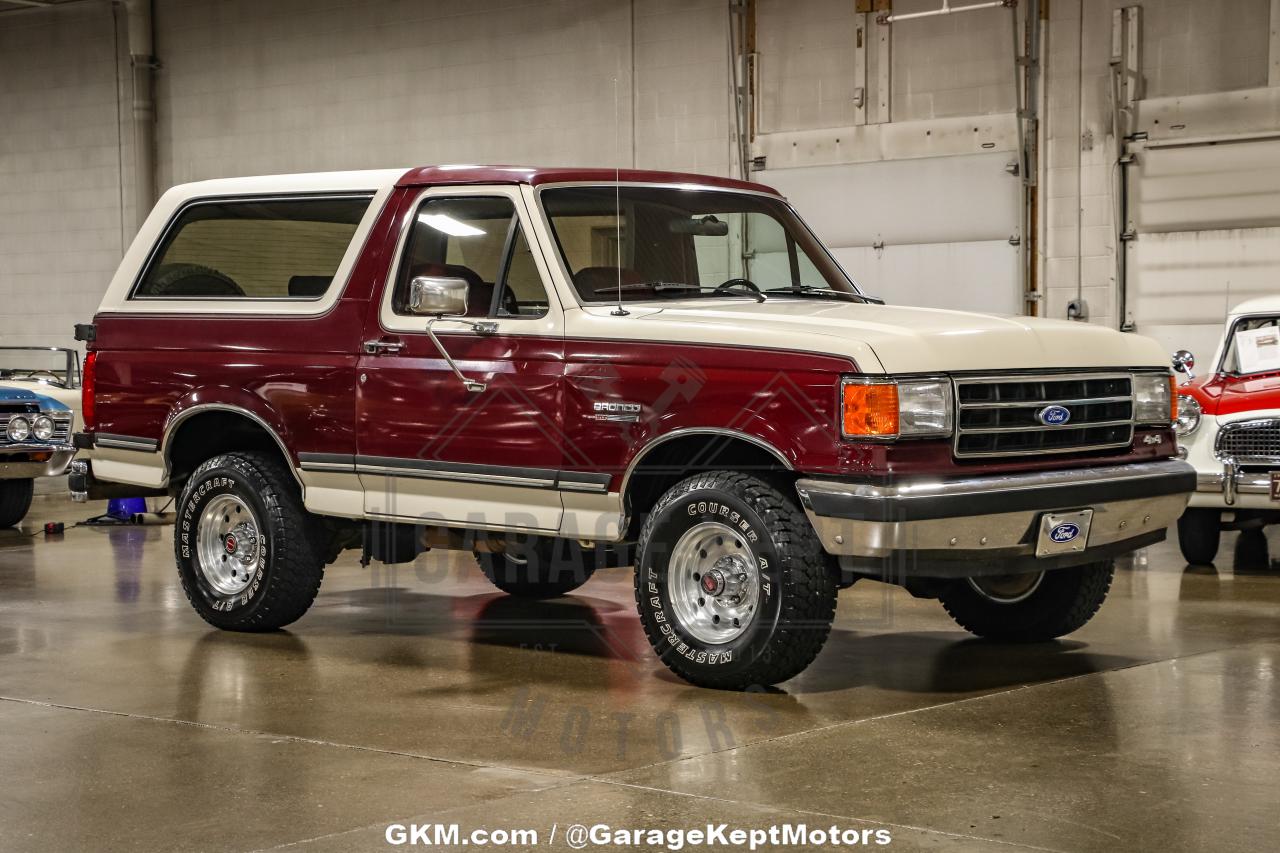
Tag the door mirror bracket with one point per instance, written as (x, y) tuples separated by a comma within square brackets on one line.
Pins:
[(445, 298)]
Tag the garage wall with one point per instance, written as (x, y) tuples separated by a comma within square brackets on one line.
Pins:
[(251, 87), (912, 192), (1188, 47), (255, 87), (60, 207), (247, 87)]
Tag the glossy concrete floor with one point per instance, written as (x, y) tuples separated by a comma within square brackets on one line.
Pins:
[(418, 694)]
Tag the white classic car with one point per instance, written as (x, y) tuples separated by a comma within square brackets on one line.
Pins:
[(39, 398), (1229, 428)]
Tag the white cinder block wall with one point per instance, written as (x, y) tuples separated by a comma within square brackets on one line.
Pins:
[(60, 189), (251, 87), (247, 87)]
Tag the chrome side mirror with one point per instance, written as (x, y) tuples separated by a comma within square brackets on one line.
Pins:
[(1183, 361), (437, 296)]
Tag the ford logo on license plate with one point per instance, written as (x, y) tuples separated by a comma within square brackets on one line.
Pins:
[(1065, 532), (1053, 415)]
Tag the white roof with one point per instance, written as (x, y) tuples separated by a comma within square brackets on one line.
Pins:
[(1258, 305), (360, 179)]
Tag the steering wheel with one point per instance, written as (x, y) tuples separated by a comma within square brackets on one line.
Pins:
[(737, 282), (37, 376)]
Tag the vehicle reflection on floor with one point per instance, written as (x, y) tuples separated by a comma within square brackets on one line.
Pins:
[(419, 688)]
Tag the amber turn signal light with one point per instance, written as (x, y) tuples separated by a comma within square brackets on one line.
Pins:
[(1173, 397), (870, 410)]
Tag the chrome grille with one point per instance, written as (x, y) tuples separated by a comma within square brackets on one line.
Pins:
[(1255, 442), (61, 430), (997, 415)]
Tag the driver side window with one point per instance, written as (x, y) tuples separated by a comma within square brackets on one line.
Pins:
[(477, 239)]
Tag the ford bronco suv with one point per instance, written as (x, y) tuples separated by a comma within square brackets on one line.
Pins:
[(566, 369)]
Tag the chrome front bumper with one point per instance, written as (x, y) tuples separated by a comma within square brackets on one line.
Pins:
[(993, 518), (1231, 482), (24, 469)]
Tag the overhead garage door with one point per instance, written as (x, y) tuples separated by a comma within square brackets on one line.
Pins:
[(928, 231), (1206, 218)]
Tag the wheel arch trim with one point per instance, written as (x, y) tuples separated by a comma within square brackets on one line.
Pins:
[(175, 422), (686, 432)]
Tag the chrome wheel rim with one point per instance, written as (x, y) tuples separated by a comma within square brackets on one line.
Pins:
[(229, 544), (1007, 589), (713, 583)]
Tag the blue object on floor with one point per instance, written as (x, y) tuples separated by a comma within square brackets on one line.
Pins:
[(126, 508)]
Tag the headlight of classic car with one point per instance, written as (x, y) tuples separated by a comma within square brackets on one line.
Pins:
[(888, 408), (19, 429), (1154, 395), (1188, 419)]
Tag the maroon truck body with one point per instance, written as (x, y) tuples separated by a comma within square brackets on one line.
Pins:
[(300, 376)]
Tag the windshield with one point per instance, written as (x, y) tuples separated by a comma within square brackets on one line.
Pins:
[(1253, 346), (40, 365), (680, 243)]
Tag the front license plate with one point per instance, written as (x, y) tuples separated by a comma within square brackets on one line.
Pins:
[(1275, 485), (1064, 532)]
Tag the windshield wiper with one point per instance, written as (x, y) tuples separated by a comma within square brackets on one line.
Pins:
[(678, 287), (824, 293)]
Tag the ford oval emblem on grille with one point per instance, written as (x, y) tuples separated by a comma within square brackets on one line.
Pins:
[(1053, 415), (1064, 532)]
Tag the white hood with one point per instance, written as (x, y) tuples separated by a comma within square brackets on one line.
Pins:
[(891, 339)]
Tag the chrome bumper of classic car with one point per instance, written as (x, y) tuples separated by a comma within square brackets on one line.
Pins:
[(16, 464), (990, 524), (1231, 481)]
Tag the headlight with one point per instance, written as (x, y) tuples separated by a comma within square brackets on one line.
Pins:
[(1153, 398), (1188, 419), (19, 429), (42, 428), (887, 408)]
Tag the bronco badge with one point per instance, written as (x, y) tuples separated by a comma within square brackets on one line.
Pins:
[(616, 412)]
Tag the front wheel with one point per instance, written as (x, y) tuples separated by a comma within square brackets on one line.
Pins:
[(1030, 607), (15, 500), (248, 553), (1199, 532), (733, 586)]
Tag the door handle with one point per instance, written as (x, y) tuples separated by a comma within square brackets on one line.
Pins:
[(381, 347)]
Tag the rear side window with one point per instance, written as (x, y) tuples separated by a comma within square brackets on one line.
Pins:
[(254, 249)]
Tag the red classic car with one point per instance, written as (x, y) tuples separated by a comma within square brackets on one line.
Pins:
[(1229, 429), (563, 369)]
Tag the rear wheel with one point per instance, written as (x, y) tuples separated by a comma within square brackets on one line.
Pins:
[(1199, 532), (15, 500), (733, 586), (249, 555), (538, 567), (1029, 607)]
